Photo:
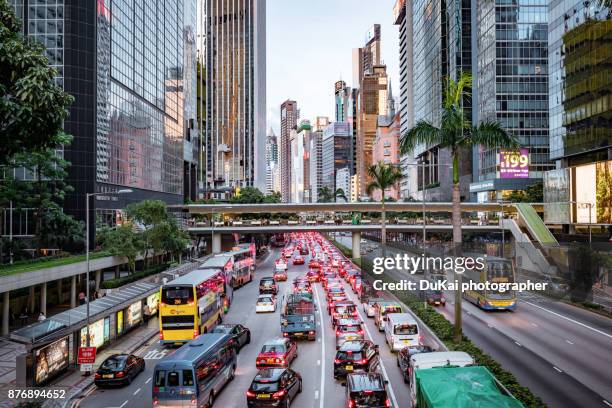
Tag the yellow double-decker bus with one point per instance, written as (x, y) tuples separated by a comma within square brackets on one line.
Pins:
[(498, 270), (191, 305)]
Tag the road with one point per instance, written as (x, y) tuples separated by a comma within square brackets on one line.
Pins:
[(562, 353), (315, 361)]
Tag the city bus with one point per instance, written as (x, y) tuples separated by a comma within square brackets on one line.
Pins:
[(278, 240), (191, 305), (196, 373), (242, 260), (498, 270), (222, 263)]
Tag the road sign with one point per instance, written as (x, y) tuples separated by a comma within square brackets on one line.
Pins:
[(87, 367), (87, 355)]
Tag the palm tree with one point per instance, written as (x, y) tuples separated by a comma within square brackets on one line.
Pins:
[(457, 134), (383, 176), (339, 193)]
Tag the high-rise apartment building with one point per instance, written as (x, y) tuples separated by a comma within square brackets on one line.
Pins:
[(288, 121), (512, 89), (234, 57), (129, 68), (580, 108), (343, 182), (271, 160), (316, 157)]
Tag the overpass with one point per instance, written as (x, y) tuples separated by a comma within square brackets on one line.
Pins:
[(356, 229), (292, 208)]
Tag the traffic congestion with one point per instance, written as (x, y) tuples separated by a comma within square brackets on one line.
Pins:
[(304, 333)]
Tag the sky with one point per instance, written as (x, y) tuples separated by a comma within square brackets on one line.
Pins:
[(309, 47)]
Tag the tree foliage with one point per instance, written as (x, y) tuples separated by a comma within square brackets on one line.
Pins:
[(122, 241), (532, 194), (326, 195), (32, 107)]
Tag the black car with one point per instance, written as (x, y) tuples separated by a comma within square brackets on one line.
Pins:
[(240, 335), (274, 387), (358, 355), (268, 285), (366, 390), (403, 359), (119, 369)]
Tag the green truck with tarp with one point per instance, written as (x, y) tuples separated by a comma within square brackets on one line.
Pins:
[(298, 316), (461, 387)]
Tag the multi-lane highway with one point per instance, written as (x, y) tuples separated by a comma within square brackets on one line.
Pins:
[(314, 363), (562, 353)]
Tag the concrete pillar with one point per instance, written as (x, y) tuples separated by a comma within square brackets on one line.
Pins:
[(5, 313), (98, 279), (59, 291), (32, 299), (216, 243), (356, 244), (73, 291), (43, 298)]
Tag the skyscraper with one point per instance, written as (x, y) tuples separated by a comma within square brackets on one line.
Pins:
[(316, 157), (133, 86), (372, 79), (341, 97), (288, 121), (235, 64), (336, 148), (512, 89), (580, 108), (402, 16), (271, 160)]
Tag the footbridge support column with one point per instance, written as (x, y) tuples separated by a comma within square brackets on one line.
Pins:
[(356, 245), (216, 243)]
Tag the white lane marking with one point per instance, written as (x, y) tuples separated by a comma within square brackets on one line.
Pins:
[(568, 342), (322, 340), (319, 339), (124, 404), (557, 369), (569, 319), (317, 394), (148, 381), (607, 403), (518, 344), (318, 362), (534, 325), (136, 392), (382, 366)]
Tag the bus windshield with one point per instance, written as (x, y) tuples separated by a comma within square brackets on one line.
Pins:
[(178, 295), (500, 272)]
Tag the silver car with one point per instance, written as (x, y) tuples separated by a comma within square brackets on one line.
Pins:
[(348, 330)]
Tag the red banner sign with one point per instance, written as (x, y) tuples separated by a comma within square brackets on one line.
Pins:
[(87, 355)]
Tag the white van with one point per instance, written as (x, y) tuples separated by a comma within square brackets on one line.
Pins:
[(401, 330), (423, 361)]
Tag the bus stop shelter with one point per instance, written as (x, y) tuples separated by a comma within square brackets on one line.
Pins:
[(52, 345)]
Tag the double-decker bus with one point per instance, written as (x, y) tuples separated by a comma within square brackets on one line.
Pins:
[(498, 270), (242, 261), (223, 263), (191, 305), (278, 240)]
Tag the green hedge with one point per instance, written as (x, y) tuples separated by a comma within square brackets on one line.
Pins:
[(444, 330), (47, 262), (115, 283)]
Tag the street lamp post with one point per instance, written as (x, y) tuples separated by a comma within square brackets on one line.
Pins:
[(501, 223), (87, 197)]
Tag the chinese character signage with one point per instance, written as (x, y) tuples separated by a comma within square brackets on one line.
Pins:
[(514, 164)]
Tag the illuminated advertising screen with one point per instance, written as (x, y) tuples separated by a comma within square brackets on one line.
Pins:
[(99, 333), (585, 194), (133, 315), (119, 322), (152, 302), (557, 196), (603, 192), (514, 164), (50, 360)]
